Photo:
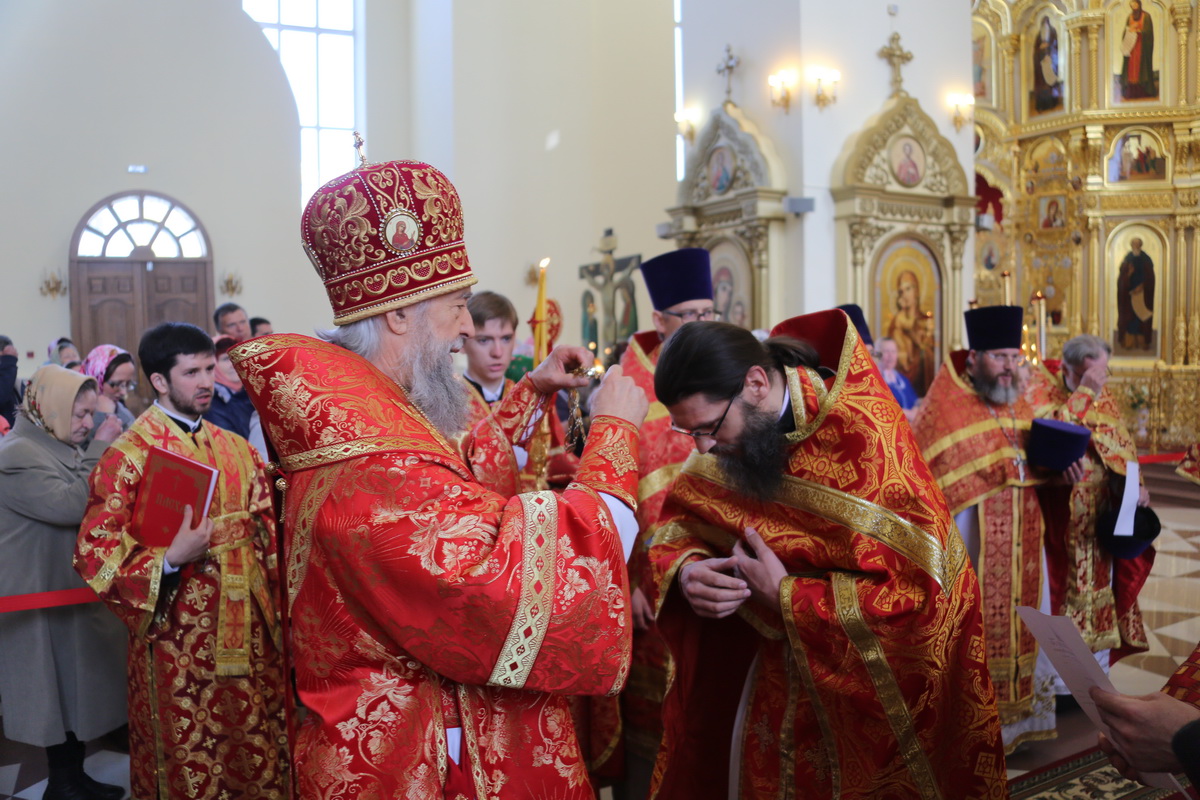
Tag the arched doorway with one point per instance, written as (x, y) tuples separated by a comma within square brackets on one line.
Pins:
[(137, 259)]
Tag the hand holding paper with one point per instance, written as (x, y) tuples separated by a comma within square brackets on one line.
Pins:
[(1078, 669)]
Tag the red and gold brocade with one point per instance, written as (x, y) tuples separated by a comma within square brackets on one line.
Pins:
[(207, 687), (421, 600), (1097, 591), (1189, 467), (1185, 683), (974, 450), (496, 466), (869, 680), (662, 455)]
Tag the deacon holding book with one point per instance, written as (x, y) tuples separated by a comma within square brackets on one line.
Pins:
[(207, 686)]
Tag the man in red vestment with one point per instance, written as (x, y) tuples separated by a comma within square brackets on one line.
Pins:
[(436, 624), (680, 287), (972, 429), (207, 686), (822, 617), (1099, 592)]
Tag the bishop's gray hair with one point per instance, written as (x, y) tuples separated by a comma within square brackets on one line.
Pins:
[(362, 337)]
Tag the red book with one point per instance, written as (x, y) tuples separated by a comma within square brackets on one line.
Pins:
[(170, 482)]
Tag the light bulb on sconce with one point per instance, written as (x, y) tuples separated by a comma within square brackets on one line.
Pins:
[(826, 80), (686, 121), (781, 84), (964, 109)]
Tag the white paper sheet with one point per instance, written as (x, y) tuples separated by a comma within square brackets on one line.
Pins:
[(1128, 501), (1078, 669)]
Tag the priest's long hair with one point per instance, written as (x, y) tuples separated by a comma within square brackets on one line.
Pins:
[(712, 359)]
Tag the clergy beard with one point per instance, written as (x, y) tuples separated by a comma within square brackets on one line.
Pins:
[(756, 464), (999, 395), (434, 387)]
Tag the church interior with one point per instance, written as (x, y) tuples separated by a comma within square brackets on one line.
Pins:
[(917, 158)]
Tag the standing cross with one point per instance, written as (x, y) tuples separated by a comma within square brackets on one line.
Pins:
[(358, 146), (896, 56), (726, 68)]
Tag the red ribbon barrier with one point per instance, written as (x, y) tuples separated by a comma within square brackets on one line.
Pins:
[(62, 597), (1161, 458)]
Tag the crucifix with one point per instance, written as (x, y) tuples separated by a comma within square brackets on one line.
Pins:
[(726, 68), (897, 56), (612, 278), (358, 147)]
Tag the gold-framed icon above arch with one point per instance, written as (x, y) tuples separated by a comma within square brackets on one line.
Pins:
[(906, 278)]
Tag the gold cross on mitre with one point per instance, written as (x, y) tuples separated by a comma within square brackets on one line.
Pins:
[(896, 56), (726, 68), (358, 148)]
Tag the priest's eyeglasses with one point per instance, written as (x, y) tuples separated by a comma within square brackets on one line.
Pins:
[(1016, 360), (708, 434), (692, 315)]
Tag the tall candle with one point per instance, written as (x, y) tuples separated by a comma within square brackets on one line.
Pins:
[(541, 331)]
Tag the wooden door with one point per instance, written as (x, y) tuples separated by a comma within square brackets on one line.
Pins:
[(138, 260)]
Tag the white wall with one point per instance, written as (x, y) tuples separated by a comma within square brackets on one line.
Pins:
[(769, 35), (193, 91), (563, 127)]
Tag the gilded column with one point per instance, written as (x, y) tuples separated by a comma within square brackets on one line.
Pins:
[(1012, 48), (1077, 68), (1094, 66), (958, 241), (1192, 264), (1096, 267), (1178, 297), (1181, 18)]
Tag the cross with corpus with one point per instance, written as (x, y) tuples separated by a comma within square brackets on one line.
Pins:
[(726, 68), (896, 56)]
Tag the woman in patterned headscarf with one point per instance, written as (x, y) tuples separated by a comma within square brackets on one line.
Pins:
[(62, 670), (116, 375)]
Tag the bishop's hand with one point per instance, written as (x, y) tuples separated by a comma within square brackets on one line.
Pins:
[(555, 372)]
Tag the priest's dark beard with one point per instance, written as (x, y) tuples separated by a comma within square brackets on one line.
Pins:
[(755, 465), (435, 387)]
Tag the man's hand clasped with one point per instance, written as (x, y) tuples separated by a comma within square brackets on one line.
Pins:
[(717, 587)]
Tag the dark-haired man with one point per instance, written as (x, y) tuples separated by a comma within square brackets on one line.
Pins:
[(206, 681), (820, 611), (260, 326), (230, 320)]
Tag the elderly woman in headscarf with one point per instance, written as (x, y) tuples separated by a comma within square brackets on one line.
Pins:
[(62, 670), (62, 351), (116, 375)]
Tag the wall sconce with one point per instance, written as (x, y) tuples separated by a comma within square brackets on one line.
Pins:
[(826, 80), (964, 109), (231, 286), (53, 286), (781, 84), (686, 121)]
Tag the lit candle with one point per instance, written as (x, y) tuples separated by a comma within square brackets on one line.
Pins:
[(1039, 307)]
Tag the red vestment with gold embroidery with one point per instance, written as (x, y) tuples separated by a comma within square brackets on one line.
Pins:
[(869, 679), (662, 455), (421, 600), (977, 454), (1097, 591), (1189, 467), (207, 688)]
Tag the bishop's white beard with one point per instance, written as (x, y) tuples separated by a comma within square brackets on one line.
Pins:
[(434, 387)]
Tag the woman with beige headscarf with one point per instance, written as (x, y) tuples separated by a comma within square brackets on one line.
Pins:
[(62, 670)]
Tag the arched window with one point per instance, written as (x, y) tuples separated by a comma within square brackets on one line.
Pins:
[(317, 44), (122, 224)]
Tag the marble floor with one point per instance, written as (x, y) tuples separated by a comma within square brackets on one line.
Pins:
[(1170, 604)]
